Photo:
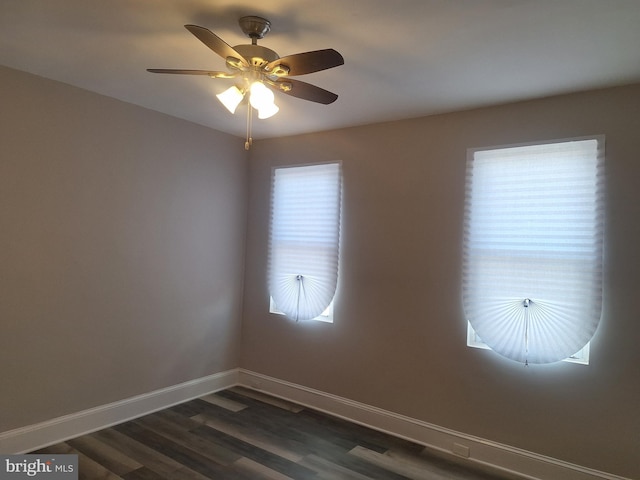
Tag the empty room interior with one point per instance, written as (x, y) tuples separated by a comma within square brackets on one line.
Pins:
[(137, 219)]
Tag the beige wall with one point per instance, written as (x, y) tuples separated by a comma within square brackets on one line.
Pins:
[(121, 257), (121, 250), (398, 341)]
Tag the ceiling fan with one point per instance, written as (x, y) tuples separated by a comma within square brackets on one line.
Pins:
[(254, 68)]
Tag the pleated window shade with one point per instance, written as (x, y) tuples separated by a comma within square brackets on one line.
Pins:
[(304, 238), (532, 267)]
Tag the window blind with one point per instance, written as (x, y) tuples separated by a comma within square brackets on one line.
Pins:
[(304, 238), (532, 267)]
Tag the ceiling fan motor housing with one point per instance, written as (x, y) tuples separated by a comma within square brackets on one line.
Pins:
[(256, 55)]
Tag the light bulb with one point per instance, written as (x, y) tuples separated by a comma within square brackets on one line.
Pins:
[(231, 98), (261, 96)]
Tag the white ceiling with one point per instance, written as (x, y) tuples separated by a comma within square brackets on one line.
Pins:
[(403, 58)]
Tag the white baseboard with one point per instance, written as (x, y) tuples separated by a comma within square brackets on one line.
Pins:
[(483, 453), (40, 435)]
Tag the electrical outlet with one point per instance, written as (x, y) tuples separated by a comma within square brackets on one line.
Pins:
[(461, 450)]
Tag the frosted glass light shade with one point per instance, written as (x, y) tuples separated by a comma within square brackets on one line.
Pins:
[(261, 96), (231, 98), (267, 111)]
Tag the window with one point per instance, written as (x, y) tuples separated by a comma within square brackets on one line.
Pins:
[(304, 239), (532, 267)]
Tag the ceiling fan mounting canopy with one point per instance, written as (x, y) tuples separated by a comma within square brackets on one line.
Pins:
[(254, 27)]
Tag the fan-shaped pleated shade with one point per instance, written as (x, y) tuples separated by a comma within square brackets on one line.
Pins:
[(304, 238), (532, 287)]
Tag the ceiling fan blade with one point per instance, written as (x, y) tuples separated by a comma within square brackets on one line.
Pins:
[(305, 91), (215, 43), (308, 62), (193, 72)]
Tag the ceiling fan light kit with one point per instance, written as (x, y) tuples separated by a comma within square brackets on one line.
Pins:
[(231, 98), (259, 71)]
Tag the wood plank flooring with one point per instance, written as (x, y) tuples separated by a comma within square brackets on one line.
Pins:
[(240, 434)]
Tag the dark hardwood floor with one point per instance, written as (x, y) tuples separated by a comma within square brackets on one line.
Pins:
[(242, 434)]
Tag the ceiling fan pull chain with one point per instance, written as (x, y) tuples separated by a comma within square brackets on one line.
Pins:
[(249, 141), (300, 280), (525, 303)]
